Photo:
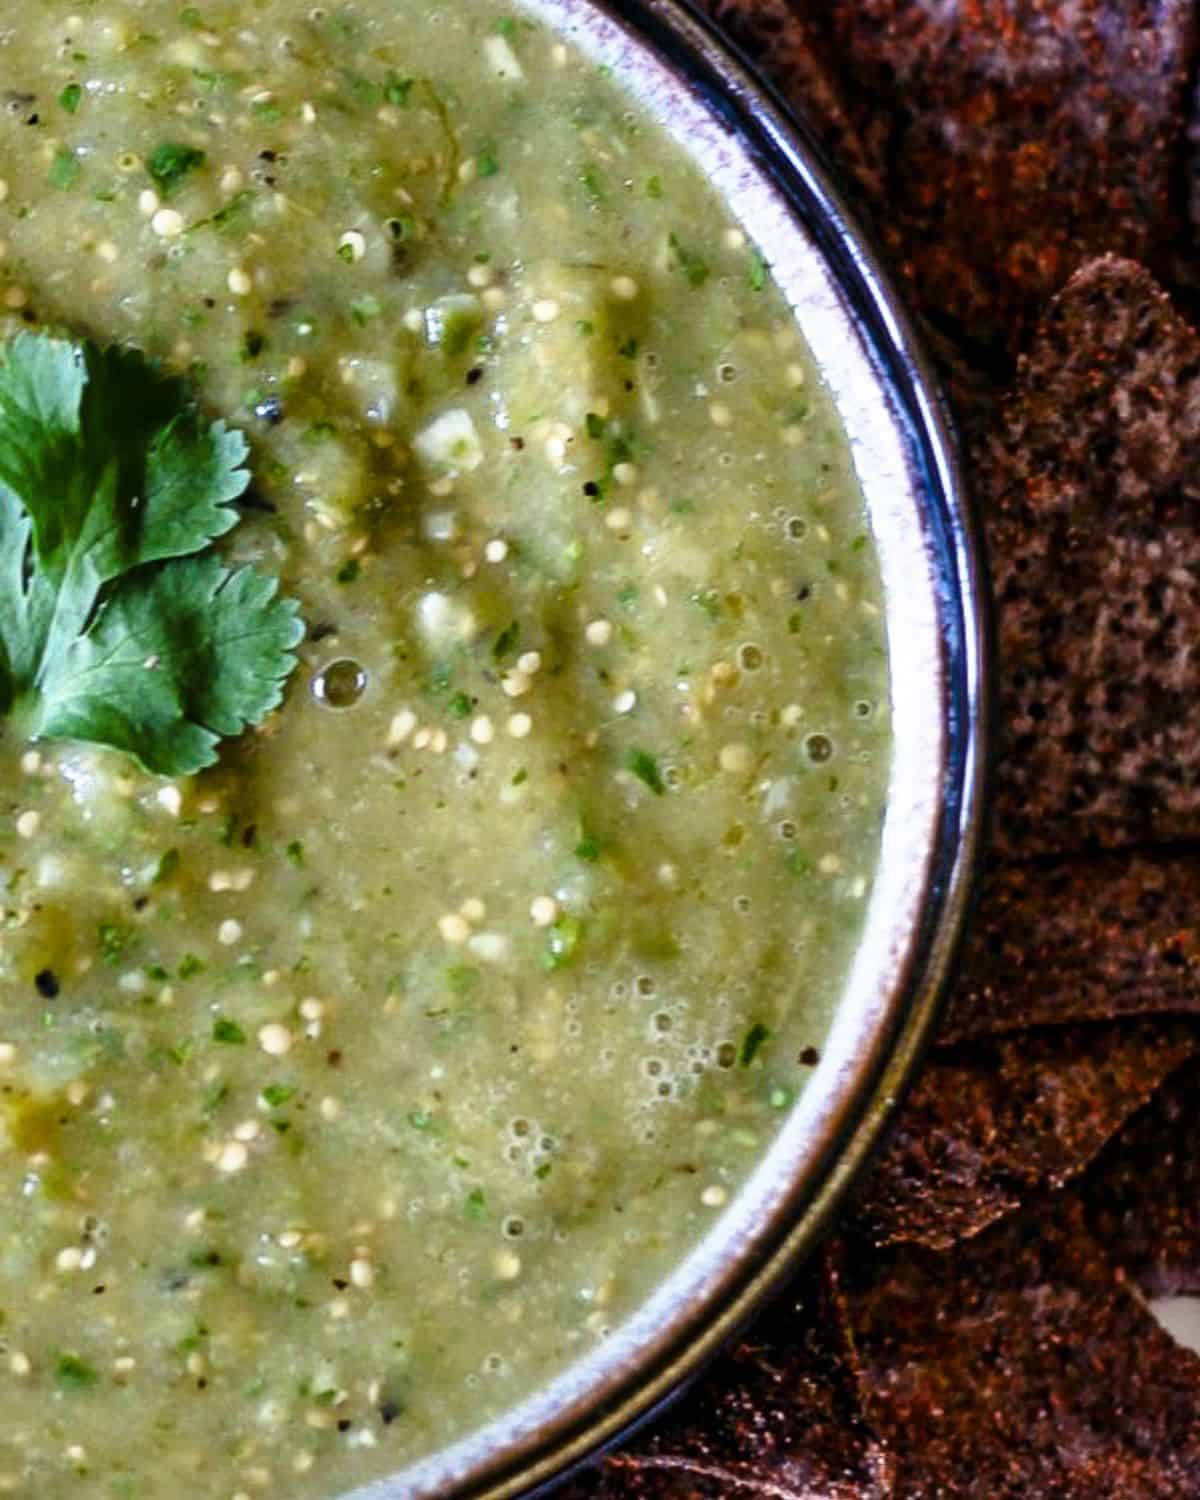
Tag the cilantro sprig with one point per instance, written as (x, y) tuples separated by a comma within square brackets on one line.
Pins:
[(118, 625)]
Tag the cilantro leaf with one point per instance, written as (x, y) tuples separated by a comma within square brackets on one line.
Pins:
[(179, 658), (109, 479)]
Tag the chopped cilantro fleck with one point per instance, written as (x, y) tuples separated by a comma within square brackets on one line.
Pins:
[(693, 265), (397, 90), (645, 768), (460, 978), (475, 1207), (363, 309), (114, 942), (73, 1373), (170, 163), (229, 1033), (752, 1042), (506, 642), (561, 942), (65, 169), (71, 98), (486, 163)]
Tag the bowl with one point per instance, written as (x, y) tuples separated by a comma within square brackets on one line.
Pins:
[(772, 176)]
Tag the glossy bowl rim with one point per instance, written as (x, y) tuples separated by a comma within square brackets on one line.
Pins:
[(498, 1465)]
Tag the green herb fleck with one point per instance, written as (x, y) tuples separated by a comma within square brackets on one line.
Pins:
[(276, 1095), (593, 185), (295, 853), (475, 1206), (461, 706), (757, 275), (349, 571), (486, 162), (645, 768), (363, 309), (460, 978), (420, 1119), (189, 966), (693, 266), (229, 1033), (65, 169), (396, 90), (73, 1373), (588, 849), (752, 1042), (114, 942), (71, 98), (654, 187), (507, 640), (561, 942), (171, 163)]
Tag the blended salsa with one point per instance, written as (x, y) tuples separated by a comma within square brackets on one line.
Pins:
[(353, 1087)]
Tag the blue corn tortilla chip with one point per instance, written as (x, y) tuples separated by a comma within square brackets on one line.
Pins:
[(1143, 1195), (1022, 1366), (989, 1124), (1079, 939), (1091, 493), (1015, 143)]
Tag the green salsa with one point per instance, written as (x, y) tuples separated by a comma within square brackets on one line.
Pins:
[(351, 1089)]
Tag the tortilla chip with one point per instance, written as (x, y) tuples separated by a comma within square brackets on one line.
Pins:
[(1092, 503), (1079, 940), (778, 1416), (1020, 1367), (1143, 1196), (1016, 142), (987, 1125)]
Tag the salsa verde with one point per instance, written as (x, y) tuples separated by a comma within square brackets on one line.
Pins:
[(350, 1090)]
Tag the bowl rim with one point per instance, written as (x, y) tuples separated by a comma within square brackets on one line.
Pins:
[(761, 131)]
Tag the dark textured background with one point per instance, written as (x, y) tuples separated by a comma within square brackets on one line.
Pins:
[(977, 1326)]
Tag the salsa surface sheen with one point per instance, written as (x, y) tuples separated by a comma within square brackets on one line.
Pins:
[(353, 1089)]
